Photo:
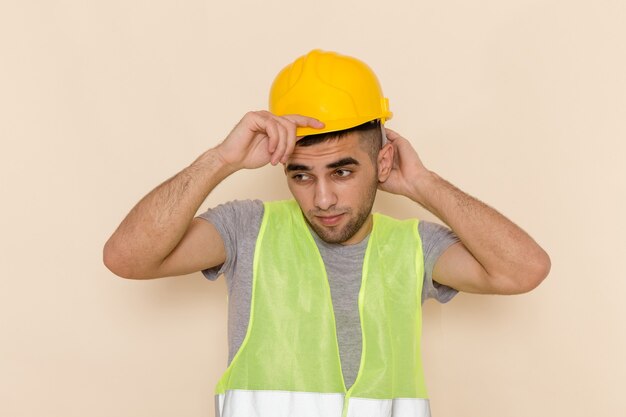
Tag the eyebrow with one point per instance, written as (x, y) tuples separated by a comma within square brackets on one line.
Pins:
[(340, 163), (293, 167), (343, 162)]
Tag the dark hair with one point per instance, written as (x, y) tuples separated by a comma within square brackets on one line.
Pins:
[(370, 137)]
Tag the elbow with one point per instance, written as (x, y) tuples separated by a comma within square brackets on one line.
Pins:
[(536, 272), (113, 259), (541, 269), (523, 277)]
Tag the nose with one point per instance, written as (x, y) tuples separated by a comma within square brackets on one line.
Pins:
[(325, 195)]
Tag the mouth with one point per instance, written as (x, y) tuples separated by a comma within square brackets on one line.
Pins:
[(330, 220)]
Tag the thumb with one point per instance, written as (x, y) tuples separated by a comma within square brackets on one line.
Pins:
[(392, 134)]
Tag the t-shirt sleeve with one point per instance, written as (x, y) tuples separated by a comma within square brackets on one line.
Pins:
[(232, 220), (435, 240)]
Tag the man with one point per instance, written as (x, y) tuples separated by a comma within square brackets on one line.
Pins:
[(325, 297)]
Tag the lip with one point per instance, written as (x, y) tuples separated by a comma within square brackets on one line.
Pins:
[(330, 220)]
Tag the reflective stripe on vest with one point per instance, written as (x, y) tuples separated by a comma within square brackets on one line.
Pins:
[(288, 364)]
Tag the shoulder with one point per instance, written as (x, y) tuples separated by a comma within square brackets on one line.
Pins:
[(236, 210), (436, 234), (432, 234), (435, 239), (388, 221), (237, 223)]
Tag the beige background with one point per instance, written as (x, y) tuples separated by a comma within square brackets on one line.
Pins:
[(520, 103)]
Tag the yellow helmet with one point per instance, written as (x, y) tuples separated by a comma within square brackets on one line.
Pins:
[(339, 90)]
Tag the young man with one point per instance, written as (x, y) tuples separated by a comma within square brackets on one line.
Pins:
[(325, 297)]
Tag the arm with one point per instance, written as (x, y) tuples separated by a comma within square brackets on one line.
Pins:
[(495, 256), (160, 237)]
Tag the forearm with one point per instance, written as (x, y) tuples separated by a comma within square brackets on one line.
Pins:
[(504, 250), (158, 222)]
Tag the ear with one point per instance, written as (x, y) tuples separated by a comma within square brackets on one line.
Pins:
[(385, 162)]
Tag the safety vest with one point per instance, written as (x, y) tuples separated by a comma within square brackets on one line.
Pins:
[(288, 364)]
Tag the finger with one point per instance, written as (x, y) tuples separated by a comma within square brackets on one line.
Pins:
[(282, 143), (260, 122), (271, 128), (257, 120), (290, 128), (304, 121), (391, 134)]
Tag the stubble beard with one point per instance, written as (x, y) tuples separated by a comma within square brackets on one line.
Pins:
[(332, 235)]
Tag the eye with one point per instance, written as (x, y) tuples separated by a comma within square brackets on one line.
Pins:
[(343, 173), (301, 177)]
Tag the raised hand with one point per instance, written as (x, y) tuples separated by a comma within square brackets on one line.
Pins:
[(261, 138), (407, 169)]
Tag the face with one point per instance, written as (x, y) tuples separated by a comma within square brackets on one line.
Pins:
[(335, 183)]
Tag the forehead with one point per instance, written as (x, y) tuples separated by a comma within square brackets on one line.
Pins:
[(329, 151)]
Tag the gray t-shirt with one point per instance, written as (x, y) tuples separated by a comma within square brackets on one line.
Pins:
[(239, 222)]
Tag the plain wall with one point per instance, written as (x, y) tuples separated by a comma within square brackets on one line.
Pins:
[(522, 104)]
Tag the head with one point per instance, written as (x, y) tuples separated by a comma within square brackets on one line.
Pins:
[(334, 177)]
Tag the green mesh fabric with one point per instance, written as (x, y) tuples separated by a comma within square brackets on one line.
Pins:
[(390, 310), (291, 343)]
